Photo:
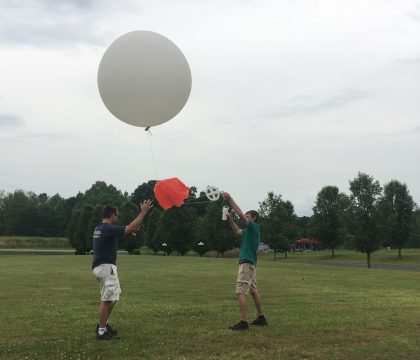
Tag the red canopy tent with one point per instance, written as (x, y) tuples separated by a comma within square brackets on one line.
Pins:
[(310, 243)]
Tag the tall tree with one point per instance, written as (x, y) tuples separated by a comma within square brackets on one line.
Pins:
[(397, 212), (201, 244), (303, 224), (215, 233), (178, 224), (28, 214), (2, 195), (198, 204), (328, 220), (21, 214), (127, 212), (161, 236), (153, 241), (278, 223), (145, 192), (53, 216), (102, 194), (415, 235), (71, 227), (82, 236), (364, 219), (193, 192), (95, 219)]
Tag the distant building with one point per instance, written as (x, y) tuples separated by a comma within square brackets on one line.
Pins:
[(263, 247)]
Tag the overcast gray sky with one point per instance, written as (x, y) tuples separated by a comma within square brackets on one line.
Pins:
[(287, 96)]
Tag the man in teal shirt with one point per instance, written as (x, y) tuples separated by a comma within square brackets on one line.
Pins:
[(247, 275)]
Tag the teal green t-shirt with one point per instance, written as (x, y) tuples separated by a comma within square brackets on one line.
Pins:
[(250, 243)]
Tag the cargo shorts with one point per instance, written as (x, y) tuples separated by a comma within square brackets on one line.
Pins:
[(247, 279), (107, 276)]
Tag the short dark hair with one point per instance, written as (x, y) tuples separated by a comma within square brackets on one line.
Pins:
[(109, 210), (254, 214)]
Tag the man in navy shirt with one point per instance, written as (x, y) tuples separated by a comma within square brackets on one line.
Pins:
[(104, 262)]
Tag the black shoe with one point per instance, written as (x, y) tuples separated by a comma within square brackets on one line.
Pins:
[(111, 330), (108, 328), (241, 325), (260, 321), (106, 336)]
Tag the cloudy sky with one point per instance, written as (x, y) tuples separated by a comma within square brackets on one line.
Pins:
[(287, 96)]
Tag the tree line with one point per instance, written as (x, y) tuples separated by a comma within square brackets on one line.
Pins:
[(366, 219)]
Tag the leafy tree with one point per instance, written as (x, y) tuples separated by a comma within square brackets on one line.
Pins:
[(84, 216), (102, 194), (74, 202), (414, 240), (2, 195), (82, 237), (278, 223), (178, 225), (40, 211), (53, 216), (71, 228), (198, 204), (328, 221), (152, 241), (193, 192), (145, 192), (94, 220), (161, 235), (201, 244), (21, 213), (303, 224), (127, 212), (215, 232), (364, 219), (28, 214), (397, 212)]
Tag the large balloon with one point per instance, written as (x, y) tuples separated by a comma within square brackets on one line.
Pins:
[(144, 79), (171, 192)]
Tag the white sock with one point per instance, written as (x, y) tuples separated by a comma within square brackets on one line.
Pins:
[(101, 330)]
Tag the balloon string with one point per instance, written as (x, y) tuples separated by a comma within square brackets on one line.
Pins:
[(151, 150)]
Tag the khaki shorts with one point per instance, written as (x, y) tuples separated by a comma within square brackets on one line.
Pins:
[(107, 276), (247, 279)]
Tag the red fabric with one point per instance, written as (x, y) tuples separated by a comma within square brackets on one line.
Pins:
[(171, 192)]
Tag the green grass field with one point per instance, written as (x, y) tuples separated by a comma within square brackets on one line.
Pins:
[(181, 307), (33, 242), (382, 256)]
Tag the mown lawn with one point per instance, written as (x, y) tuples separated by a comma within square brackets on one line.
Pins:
[(181, 307), (33, 242), (382, 256)]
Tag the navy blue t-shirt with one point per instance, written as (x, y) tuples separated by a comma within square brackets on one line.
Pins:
[(105, 243)]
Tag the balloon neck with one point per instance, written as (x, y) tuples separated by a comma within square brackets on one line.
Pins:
[(148, 130)]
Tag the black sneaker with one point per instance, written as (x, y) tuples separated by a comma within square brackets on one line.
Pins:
[(106, 336), (108, 328), (260, 321), (241, 325)]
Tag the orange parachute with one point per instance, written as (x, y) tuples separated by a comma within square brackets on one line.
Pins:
[(171, 192)]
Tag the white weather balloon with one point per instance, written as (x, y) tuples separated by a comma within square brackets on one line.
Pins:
[(144, 79)]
